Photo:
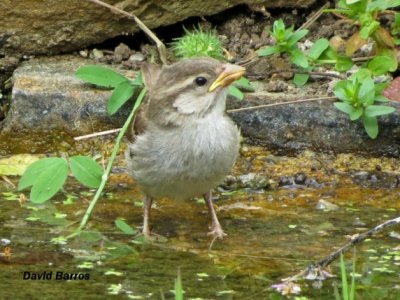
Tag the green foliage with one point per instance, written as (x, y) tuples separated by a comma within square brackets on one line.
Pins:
[(125, 227), (358, 95), (47, 176), (348, 293), (124, 88), (364, 13), (396, 29), (197, 43), (178, 287), (86, 170), (286, 42)]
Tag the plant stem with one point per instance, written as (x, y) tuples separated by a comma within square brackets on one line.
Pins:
[(107, 172)]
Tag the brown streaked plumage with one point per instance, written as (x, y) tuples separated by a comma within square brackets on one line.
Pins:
[(183, 144)]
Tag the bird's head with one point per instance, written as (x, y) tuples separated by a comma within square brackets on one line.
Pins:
[(190, 88)]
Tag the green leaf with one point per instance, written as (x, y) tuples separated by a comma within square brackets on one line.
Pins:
[(380, 98), (318, 48), (86, 170), (344, 107), (361, 75), (178, 290), (298, 58), (343, 63), (235, 92), (378, 110), (268, 51), (340, 90), (244, 84), (122, 93), (356, 114), (367, 91), (34, 170), (101, 76), (371, 126), (124, 227), (300, 79), (380, 65), (50, 175), (296, 36)]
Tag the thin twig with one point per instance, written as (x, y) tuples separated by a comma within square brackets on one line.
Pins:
[(314, 17), (323, 263), (280, 103), (96, 134), (358, 239), (162, 50)]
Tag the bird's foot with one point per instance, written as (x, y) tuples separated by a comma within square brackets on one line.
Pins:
[(217, 233)]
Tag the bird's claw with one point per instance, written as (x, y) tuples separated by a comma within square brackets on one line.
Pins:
[(217, 232)]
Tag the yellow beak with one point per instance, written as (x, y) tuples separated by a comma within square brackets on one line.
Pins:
[(229, 74)]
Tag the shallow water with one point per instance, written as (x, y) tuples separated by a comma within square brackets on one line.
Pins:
[(272, 234)]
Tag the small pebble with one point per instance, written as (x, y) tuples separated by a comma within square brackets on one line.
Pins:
[(326, 205)]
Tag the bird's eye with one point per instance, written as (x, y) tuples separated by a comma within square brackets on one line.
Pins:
[(200, 81)]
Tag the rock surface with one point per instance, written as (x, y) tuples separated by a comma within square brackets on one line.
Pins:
[(62, 26), (47, 97)]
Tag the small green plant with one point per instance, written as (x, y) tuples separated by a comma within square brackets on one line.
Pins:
[(178, 290), (47, 176), (396, 29), (199, 43), (286, 42), (364, 14), (358, 95), (348, 293), (322, 53)]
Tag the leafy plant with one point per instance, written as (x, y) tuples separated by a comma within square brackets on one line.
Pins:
[(396, 29), (364, 14), (124, 88), (286, 42), (199, 43), (47, 176), (358, 95), (322, 53)]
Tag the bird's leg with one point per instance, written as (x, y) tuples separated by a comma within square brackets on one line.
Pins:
[(216, 229), (146, 215)]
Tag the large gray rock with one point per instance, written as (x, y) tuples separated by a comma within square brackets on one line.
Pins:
[(318, 126), (53, 26), (49, 105)]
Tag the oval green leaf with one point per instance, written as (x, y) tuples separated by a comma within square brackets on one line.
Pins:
[(380, 65), (122, 93), (318, 48), (378, 110), (235, 92), (50, 181), (101, 76), (86, 170), (124, 227), (371, 126), (35, 169), (344, 107), (298, 58)]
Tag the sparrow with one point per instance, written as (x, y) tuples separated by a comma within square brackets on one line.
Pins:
[(182, 144)]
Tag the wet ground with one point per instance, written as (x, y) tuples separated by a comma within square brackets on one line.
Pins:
[(280, 213)]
